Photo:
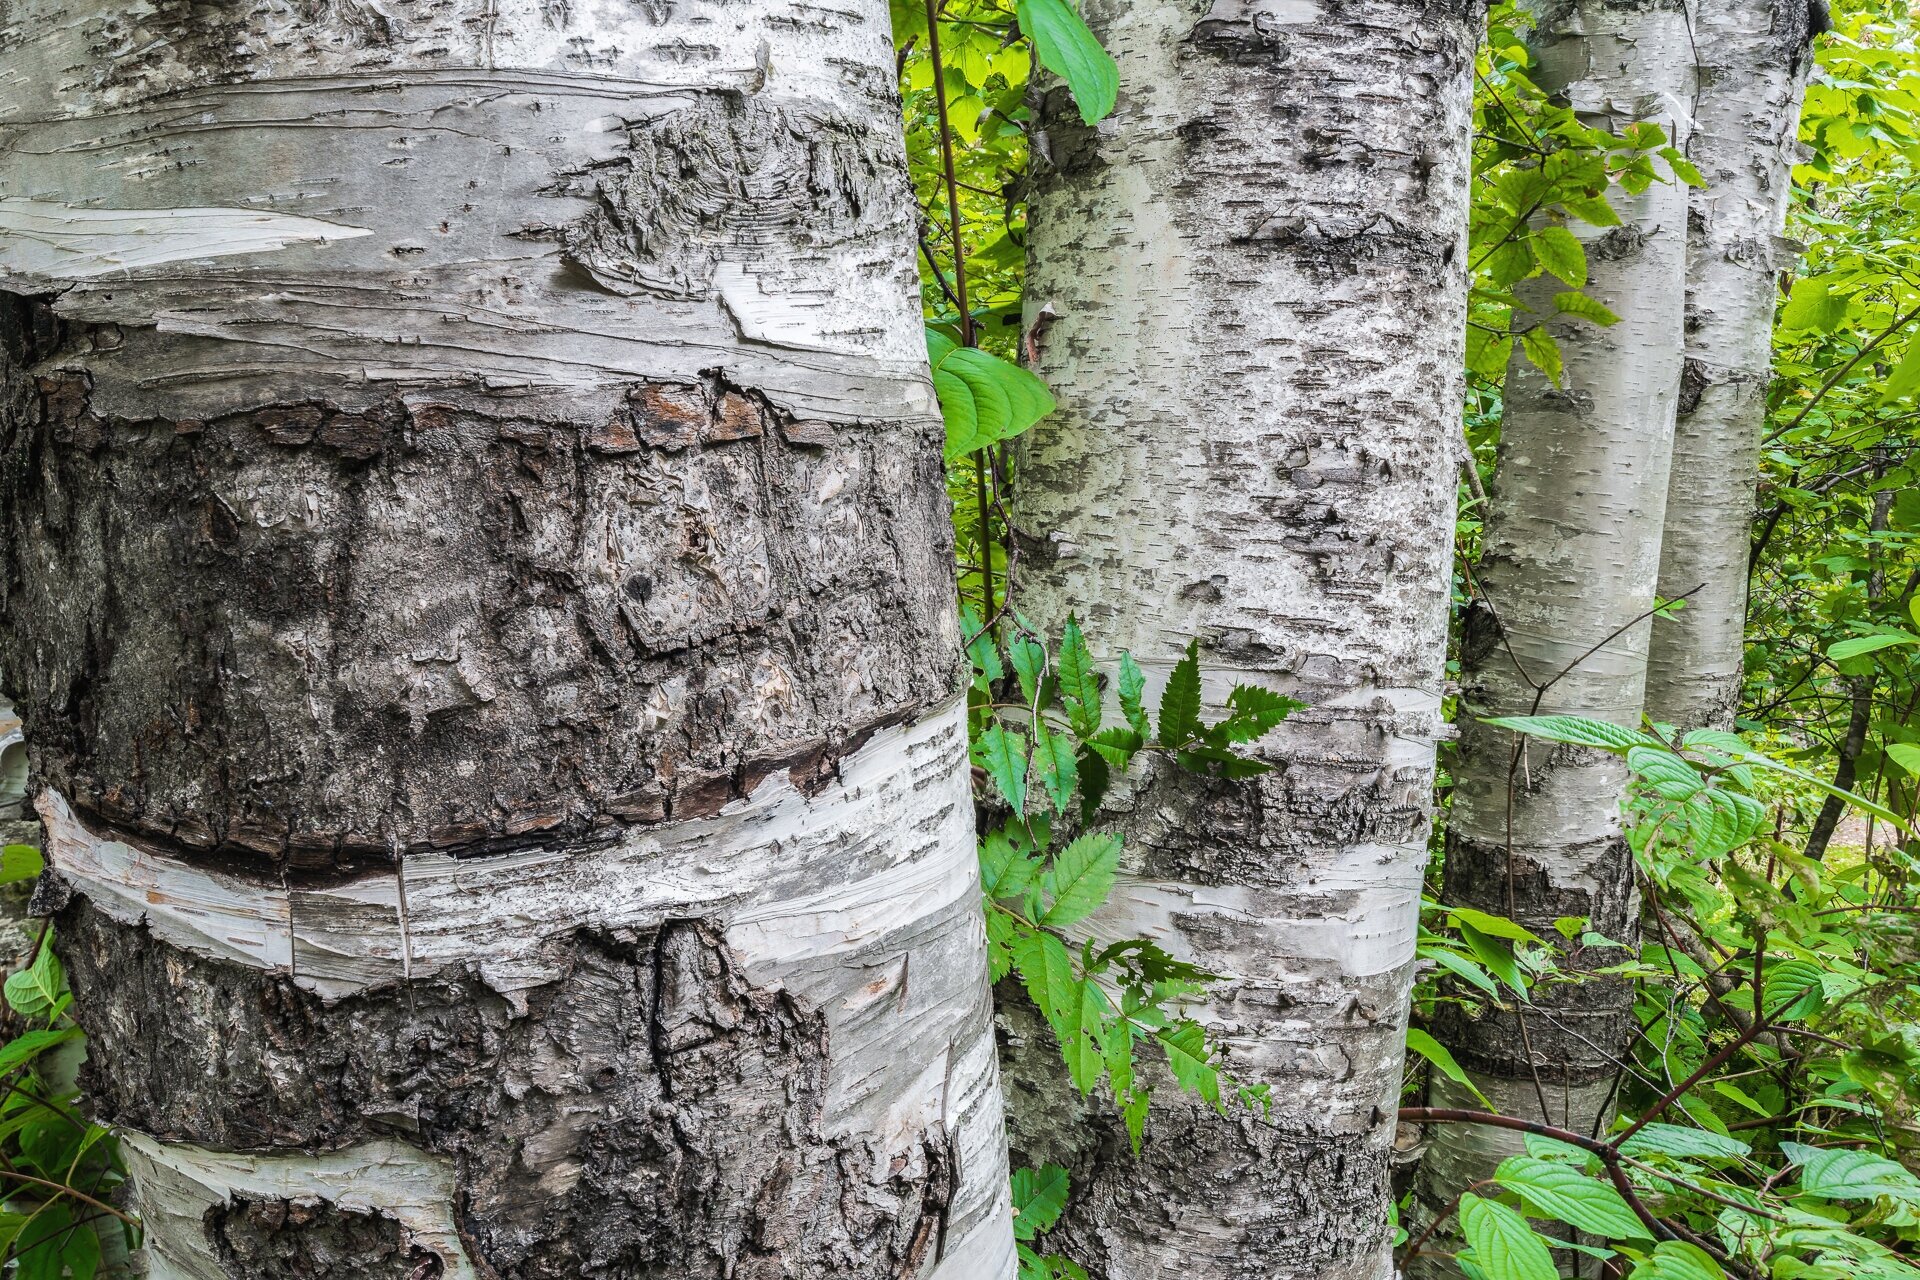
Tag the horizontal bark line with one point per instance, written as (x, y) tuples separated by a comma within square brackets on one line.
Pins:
[(829, 854)]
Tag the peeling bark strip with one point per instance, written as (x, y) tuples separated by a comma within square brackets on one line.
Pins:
[(1258, 268), (1572, 549), (1755, 56), (476, 567)]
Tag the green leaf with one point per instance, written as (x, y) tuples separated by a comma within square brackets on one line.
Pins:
[(1845, 1174), (1906, 755), (1665, 774), (1251, 711), (33, 992), (1593, 210), (1079, 682), (1682, 167), (1677, 1260), (20, 862), (983, 398), (1066, 48), (1029, 666), (1180, 700), (1576, 730), (1504, 1246), (1792, 990), (1811, 305), (1006, 870), (1047, 970), (1569, 1195), (1132, 686), (1053, 753), (1189, 1057), (1559, 251), (1081, 878), (1003, 754), (1497, 956), (1543, 352), (1684, 1143), (1081, 1046), (1492, 925), (29, 1045), (1039, 1198), (1443, 1061), (1853, 648), (1905, 378), (1575, 303), (38, 1246)]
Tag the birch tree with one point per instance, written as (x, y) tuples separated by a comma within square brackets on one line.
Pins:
[(1754, 62), (478, 582), (1248, 284), (1561, 616)]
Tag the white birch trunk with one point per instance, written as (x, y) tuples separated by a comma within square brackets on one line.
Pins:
[(1572, 549), (1754, 62), (1257, 265), (478, 581)]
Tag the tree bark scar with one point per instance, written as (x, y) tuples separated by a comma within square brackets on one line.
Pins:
[(308, 1238), (664, 218), (492, 631), (654, 1114)]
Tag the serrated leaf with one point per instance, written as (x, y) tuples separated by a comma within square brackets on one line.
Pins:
[(1504, 1245), (1847, 1174), (1593, 210), (1053, 756), (1047, 971), (1575, 730), (1080, 1048), (1189, 1057), (1575, 303), (1811, 305), (1006, 870), (1792, 990), (983, 398), (1665, 774), (1039, 1198), (1682, 1142), (1559, 251), (1180, 700), (1081, 878), (1079, 682), (1003, 754), (1677, 1260), (1570, 1196), (1029, 665), (1066, 48), (1131, 687), (1251, 711), (1543, 351)]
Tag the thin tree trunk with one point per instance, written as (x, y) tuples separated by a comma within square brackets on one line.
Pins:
[(1572, 547), (478, 581), (1860, 709), (1754, 58), (1257, 266)]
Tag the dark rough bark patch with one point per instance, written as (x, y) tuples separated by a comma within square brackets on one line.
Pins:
[(736, 170), (308, 1238), (1578, 1030), (654, 1114), (311, 635)]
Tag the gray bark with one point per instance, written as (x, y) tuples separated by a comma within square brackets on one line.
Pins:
[(1257, 265), (1571, 550), (477, 577), (1754, 61)]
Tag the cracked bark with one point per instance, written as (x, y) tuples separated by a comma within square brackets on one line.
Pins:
[(1572, 550), (1257, 269), (477, 577), (1755, 57)]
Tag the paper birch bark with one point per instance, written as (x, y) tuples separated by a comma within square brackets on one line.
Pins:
[(1257, 267), (1754, 62), (1560, 622), (478, 582)]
